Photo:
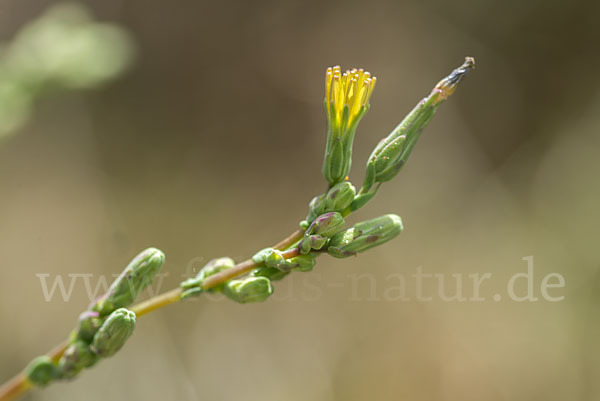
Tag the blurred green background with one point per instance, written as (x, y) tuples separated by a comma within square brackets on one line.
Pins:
[(211, 143)]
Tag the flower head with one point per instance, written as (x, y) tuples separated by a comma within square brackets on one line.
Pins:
[(346, 101), (352, 89)]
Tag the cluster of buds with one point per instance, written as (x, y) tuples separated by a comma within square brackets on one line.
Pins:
[(256, 287), (106, 325), (104, 328), (246, 290), (325, 233), (346, 101), (337, 199), (319, 231)]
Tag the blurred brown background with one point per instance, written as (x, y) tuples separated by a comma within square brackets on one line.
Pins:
[(212, 144)]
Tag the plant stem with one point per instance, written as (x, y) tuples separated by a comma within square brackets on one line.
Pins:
[(19, 384), (15, 387), (156, 302), (240, 269), (290, 240), (247, 265)]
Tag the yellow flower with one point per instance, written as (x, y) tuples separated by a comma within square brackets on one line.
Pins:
[(350, 90), (346, 101)]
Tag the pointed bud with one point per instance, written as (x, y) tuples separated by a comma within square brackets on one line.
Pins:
[(131, 282), (390, 155), (251, 289), (113, 333), (365, 235), (75, 358), (42, 371)]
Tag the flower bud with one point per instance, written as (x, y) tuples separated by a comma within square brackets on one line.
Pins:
[(211, 268), (113, 333), (364, 235), (320, 230), (316, 207), (337, 199), (89, 323), (303, 263), (270, 257), (327, 224), (131, 282), (260, 256), (251, 289), (272, 273), (346, 101), (390, 155), (76, 357), (274, 259), (42, 371), (310, 242)]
